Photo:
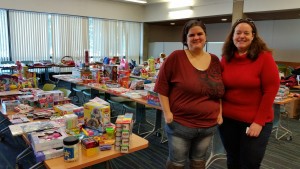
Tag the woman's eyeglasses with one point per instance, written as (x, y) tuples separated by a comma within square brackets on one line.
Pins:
[(245, 20)]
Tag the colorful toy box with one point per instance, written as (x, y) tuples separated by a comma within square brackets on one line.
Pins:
[(9, 105), (111, 71), (57, 95), (70, 109), (48, 154), (90, 147), (47, 139), (124, 125), (96, 115), (45, 100), (152, 98), (25, 99)]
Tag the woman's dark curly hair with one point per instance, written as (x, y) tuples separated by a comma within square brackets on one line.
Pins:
[(257, 45), (188, 25)]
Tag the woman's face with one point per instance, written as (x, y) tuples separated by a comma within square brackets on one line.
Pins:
[(242, 37), (196, 38)]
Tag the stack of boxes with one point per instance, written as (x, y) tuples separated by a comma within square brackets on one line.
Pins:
[(123, 132)]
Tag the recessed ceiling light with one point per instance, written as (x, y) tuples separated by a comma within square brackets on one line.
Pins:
[(172, 23), (223, 19)]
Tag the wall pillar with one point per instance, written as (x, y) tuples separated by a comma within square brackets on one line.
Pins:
[(237, 10)]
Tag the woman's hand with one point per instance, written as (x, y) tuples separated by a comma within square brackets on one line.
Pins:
[(254, 130), (220, 119), (168, 117)]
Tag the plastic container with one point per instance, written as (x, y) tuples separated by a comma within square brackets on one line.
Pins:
[(71, 148)]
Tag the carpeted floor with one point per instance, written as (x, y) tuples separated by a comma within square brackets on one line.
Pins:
[(280, 154)]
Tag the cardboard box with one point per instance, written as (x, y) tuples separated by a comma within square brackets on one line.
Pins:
[(293, 108)]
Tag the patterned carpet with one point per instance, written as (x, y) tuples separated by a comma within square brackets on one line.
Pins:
[(280, 154)]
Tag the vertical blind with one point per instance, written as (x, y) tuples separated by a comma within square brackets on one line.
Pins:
[(29, 36), (69, 36), (4, 49), (40, 36), (115, 38)]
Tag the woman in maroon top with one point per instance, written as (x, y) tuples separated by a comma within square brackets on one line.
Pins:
[(190, 86), (251, 81)]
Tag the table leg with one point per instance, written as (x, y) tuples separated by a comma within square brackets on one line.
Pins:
[(157, 126), (94, 93)]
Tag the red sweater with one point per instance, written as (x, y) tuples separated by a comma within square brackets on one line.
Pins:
[(193, 94), (250, 88)]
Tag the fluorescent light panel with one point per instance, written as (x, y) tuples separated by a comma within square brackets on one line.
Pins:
[(180, 3), (184, 13), (138, 1)]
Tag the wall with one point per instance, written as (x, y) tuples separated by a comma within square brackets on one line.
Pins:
[(202, 8), (94, 8), (283, 36)]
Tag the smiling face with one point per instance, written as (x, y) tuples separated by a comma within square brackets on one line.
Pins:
[(242, 37), (196, 38)]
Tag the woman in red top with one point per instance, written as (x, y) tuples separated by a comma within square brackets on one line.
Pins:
[(251, 82), (190, 87)]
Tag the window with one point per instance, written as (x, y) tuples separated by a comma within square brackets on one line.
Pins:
[(110, 38), (4, 46)]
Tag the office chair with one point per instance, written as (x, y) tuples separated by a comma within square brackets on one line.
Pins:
[(78, 90), (48, 87), (217, 151), (7, 69), (27, 62), (131, 107), (66, 92)]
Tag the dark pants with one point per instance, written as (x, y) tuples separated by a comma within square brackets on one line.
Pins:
[(243, 152)]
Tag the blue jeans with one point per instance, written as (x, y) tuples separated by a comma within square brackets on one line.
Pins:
[(243, 152), (185, 142)]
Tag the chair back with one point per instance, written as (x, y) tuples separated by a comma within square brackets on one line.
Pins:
[(48, 87), (27, 62), (66, 92), (7, 62)]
